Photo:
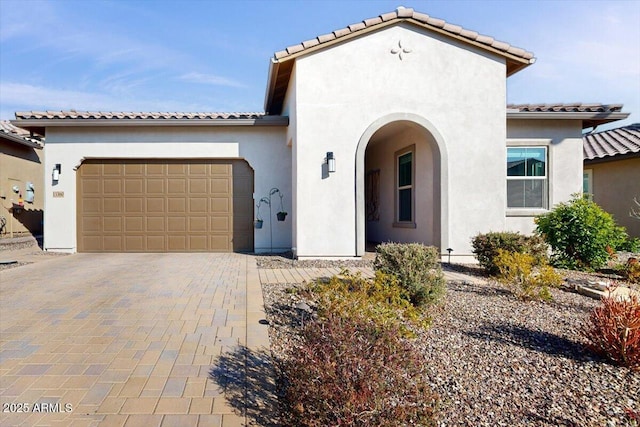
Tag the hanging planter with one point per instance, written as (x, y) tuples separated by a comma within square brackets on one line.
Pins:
[(258, 223), (281, 216)]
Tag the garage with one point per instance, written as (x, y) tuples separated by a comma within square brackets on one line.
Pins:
[(152, 205)]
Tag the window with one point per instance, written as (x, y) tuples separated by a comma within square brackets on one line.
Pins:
[(587, 183), (527, 181), (404, 188)]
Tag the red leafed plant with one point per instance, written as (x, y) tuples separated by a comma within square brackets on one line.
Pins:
[(613, 330)]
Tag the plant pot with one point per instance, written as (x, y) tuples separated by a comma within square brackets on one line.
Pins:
[(258, 223), (281, 216)]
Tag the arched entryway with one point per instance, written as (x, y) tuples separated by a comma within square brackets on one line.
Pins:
[(401, 179)]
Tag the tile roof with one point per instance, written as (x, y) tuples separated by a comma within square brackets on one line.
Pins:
[(29, 115), (19, 135), (402, 13), (566, 108), (614, 142)]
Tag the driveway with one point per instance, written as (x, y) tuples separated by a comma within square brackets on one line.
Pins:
[(134, 339)]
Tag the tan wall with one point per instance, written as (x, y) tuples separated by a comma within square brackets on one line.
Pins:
[(615, 184), (18, 165)]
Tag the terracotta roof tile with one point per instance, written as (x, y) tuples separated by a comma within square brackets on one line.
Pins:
[(610, 143), (81, 115), (19, 135), (567, 108), (402, 13)]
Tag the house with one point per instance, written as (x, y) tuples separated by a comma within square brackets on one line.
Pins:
[(612, 172), (21, 181), (391, 129)]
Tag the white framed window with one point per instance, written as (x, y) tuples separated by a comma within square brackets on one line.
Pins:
[(405, 188), (527, 178), (587, 183)]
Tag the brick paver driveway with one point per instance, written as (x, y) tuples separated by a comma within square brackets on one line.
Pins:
[(131, 339)]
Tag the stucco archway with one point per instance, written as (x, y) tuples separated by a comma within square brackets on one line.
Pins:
[(425, 136)]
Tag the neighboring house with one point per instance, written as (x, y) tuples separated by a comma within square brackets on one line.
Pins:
[(409, 109), (612, 172), (21, 181)]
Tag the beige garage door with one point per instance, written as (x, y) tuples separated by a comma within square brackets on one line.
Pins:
[(165, 206)]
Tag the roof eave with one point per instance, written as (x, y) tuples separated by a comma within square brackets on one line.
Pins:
[(33, 124), (612, 158), (513, 62), (589, 119), (18, 140)]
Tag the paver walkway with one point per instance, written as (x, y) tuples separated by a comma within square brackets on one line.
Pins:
[(132, 339)]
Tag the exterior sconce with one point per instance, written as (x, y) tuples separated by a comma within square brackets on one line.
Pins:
[(331, 162), (57, 169)]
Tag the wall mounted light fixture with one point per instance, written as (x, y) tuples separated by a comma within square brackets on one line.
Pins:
[(57, 169), (331, 162)]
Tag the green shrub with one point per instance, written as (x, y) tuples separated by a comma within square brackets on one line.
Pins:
[(417, 268), (613, 330), (486, 247), (382, 300), (631, 244), (526, 280), (349, 372), (579, 232)]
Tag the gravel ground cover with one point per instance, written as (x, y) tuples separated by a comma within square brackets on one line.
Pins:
[(498, 361), (24, 252)]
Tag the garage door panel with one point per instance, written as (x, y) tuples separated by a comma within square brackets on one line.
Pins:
[(133, 186), (155, 186), (177, 224), (155, 169), (198, 224), (112, 224), (198, 186), (92, 205), (112, 205), (177, 186), (165, 205), (112, 186), (133, 205), (134, 169), (155, 205), (155, 224)]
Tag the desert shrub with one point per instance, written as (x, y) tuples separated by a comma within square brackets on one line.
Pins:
[(613, 330), (524, 278), (632, 270), (486, 247), (350, 372), (417, 268), (631, 244), (382, 300), (579, 232)]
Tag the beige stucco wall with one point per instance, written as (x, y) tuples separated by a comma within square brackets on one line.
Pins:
[(263, 148), (347, 92), (563, 139), (20, 164), (615, 185)]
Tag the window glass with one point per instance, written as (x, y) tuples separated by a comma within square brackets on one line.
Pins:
[(404, 169), (404, 211), (527, 184)]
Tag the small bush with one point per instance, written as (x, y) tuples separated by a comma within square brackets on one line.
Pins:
[(579, 232), (631, 244), (486, 247), (632, 270), (519, 272), (417, 268), (382, 300), (349, 372), (613, 330)]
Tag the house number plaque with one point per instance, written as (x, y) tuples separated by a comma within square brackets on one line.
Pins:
[(58, 194)]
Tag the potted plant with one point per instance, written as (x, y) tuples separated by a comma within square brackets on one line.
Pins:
[(257, 223), (282, 214)]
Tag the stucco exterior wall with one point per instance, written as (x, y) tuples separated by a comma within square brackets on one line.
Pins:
[(456, 90), (563, 139), (20, 164), (263, 148), (615, 184)]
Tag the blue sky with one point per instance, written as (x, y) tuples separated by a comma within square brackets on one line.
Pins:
[(213, 55)]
